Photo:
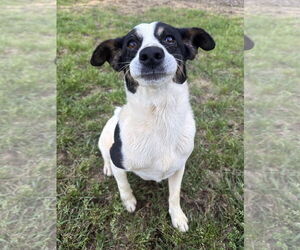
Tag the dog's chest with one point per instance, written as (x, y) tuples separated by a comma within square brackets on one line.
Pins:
[(155, 147)]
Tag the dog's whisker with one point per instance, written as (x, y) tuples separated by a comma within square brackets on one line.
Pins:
[(124, 67), (127, 71), (179, 60), (181, 71), (125, 62)]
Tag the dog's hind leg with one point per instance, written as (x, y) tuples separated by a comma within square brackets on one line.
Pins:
[(125, 190), (106, 140), (106, 158), (104, 144)]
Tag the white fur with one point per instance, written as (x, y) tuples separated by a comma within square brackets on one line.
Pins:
[(160, 127), (157, 131), (146, 31)]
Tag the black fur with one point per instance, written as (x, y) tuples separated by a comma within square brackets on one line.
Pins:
[(116, 149), (119, 55), (177, 49), (126, 57), (108, 51), (131, 84), (195, 38), (188, 40)]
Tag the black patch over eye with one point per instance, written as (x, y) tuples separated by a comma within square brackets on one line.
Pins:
[(132, 44), (170, 39)]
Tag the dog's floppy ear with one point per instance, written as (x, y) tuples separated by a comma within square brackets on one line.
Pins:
[(108, 51), (194, 38)]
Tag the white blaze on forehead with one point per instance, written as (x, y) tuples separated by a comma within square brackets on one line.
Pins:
[(146, 32), (160, 30)]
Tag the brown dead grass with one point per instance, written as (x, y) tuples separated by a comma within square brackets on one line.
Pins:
[(134, 6)]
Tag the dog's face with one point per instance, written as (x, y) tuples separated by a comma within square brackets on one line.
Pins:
[(151, 54)]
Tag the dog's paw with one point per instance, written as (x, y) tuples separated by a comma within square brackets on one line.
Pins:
[(179, 220), (130, 204), (107, 170)]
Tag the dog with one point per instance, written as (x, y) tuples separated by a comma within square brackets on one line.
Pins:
[(152, 135)]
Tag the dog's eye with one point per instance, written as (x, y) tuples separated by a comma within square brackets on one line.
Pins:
[(132, 44), (170, 39)]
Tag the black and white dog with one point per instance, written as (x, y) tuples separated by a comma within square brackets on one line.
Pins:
[(152, 135)]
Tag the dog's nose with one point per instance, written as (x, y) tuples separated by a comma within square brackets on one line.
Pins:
[(151, 56)]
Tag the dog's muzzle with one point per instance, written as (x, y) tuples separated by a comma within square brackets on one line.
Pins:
[(151, 59)]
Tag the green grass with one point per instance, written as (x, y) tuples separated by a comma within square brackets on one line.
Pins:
[(90, 213), (272, 133), (27, 126)]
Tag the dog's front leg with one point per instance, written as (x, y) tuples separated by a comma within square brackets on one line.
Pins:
[(179, 220), (125, 190)]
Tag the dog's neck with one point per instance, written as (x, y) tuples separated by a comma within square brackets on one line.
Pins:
[(168, 97)]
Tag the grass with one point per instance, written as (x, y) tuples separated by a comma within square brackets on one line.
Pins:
[(90, 213), (272, 133), (27, 126)]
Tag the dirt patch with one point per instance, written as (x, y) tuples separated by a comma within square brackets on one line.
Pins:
[(286, 8), (229, 7), (271, 11), (13, 158)]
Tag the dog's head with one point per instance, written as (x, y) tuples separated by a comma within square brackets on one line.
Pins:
[(151, 54)]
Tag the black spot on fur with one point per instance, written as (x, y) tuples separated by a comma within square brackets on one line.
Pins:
[(108, 51), (180, 76), (131, 84), (117, 53), (127, 55), (187, 42), (177, 49), (194, 38), (115, 151)]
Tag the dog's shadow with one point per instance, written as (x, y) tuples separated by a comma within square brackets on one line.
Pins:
[(149, 194)]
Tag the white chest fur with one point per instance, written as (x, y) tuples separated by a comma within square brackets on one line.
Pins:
[(157, 130)]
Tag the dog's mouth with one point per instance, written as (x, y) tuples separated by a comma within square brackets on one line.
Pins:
[(153, 76)]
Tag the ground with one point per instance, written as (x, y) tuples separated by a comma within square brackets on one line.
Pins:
[(89, 210), (27, 126), (271, 138)]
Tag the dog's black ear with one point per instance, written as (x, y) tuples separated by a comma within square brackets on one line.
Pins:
[(108, 51), (194, 38)]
